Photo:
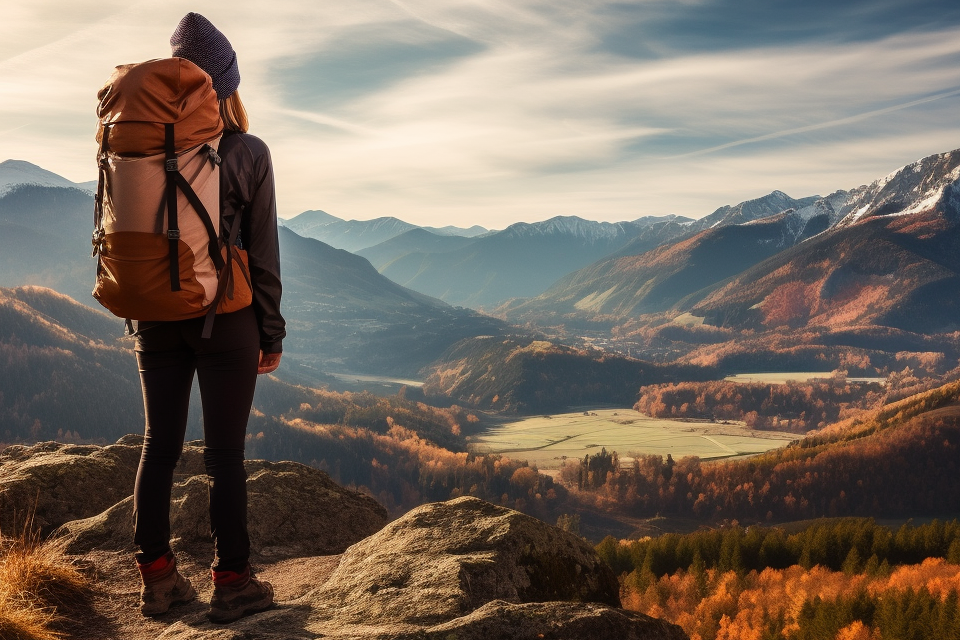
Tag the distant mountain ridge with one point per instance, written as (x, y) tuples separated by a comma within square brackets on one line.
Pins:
[(17, 172), (520, 261), (355, 235)]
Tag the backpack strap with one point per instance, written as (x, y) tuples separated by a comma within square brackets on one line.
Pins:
[(226, 277), (172, 167), (176, 180), (97, 239)]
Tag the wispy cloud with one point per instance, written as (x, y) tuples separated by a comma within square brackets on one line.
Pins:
[(493, 111)]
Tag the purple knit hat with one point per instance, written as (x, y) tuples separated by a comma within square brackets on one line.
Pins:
[(197, 40)]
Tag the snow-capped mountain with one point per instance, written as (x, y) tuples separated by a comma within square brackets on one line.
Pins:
[(589, 231), (17, 172), (929, 184), (768, 205)]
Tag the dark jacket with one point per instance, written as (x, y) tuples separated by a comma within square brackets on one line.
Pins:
[(247, 187)]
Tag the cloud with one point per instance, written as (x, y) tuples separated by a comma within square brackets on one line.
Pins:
[(489, 111)]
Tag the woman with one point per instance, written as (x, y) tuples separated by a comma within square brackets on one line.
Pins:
[(243, 344)]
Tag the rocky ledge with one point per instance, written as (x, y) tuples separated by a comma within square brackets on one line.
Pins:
[(458, 570)]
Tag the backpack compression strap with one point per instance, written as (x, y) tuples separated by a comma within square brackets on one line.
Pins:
[(226, 277), (172, 167), (175, 179)]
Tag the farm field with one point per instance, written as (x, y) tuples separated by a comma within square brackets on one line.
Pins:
[(549, 440), (795, 376)]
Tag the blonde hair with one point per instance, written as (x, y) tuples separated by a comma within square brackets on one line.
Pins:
[(233, 114)]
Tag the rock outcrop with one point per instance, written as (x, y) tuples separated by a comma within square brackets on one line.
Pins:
[(293, 511), (54, 483), (464, 569)]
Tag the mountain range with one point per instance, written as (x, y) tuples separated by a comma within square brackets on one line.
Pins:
[(884, 254), (354, 235), (520, 261), (879, 256)]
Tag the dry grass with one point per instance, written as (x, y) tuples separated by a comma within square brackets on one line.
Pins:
[(36, 582)]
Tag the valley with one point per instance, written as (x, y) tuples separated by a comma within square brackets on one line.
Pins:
[(777, 367), (549, 441)]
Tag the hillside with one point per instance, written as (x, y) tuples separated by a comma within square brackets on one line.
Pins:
[(20, 172), (864, 280), (830, 473), (346, 316), (668, 277), (533, 376), (520, 261), (891, 261), (751, 210), (413, 241), (45, 239), (57, 366)]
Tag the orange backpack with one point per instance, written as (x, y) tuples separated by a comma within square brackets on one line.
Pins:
[(162, 254)]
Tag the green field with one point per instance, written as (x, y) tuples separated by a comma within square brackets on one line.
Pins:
[(549, 440), (793, 376)]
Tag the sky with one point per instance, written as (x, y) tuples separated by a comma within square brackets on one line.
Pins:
[(489, 112)]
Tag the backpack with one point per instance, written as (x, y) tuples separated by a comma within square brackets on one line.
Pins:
[(162, 254)]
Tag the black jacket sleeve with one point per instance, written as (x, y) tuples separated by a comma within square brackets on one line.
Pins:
[(247, 188)]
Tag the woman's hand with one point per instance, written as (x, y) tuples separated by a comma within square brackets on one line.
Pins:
[(268, 362)]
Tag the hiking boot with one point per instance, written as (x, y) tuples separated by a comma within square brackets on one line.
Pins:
[(238, 594), (163, 586)]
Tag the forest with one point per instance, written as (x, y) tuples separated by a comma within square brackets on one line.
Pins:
[(833, 473), (795, 406), (849, 579)]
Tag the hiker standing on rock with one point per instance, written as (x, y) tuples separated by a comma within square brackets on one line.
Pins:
[(216, 310)]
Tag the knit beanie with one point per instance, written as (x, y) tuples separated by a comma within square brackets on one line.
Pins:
[(197, 40)]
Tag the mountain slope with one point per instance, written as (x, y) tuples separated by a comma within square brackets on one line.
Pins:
[(416, 240), (750, 210), (342, 313), (58, 368), (20, 172), (45, 239), (892, 260), (520, 261), (660, 279)]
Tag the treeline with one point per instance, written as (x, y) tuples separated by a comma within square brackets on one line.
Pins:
[(445, 427), (403, 470), (769, 583), (852, 545), (535, 376), (913, 602), (900, 461), (793, 406)]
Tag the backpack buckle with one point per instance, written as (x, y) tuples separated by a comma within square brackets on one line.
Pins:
[(172, 164), (173, 234)]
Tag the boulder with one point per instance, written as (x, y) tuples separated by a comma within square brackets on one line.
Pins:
[(293, 511), (464, 570), (470, 569), (55, 483)]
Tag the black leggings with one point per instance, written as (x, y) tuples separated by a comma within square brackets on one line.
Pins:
[(168, 354)]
